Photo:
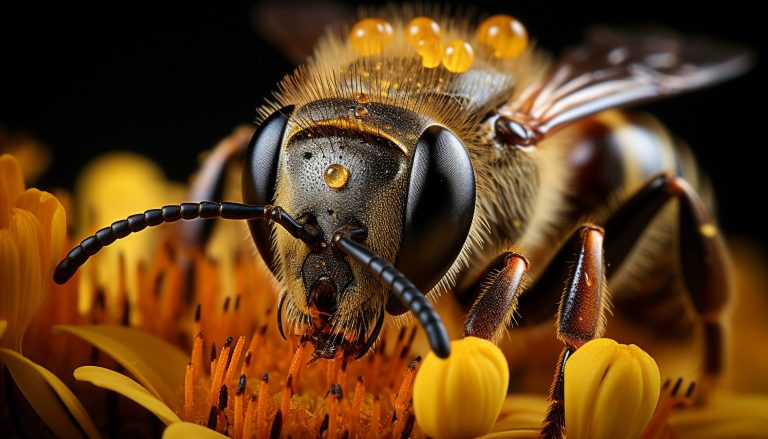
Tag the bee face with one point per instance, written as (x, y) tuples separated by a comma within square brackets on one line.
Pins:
[(339, 178), (340, 167)]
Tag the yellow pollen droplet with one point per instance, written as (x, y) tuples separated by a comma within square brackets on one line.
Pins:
[(336, 176), (422, 28), (362, 98), (504, 35), (431, 52), (458, 56), (369, 36)]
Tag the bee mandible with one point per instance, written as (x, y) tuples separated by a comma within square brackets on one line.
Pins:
[(415, 156)]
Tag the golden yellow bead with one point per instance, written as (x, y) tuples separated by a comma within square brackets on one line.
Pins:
[(422, 28), (370, 36), (431, 52), (458, 56), (462, 395), (336, 176), (504, 35)]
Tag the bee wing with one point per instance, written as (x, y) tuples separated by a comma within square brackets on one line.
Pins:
[(618, 68), (294, 26)]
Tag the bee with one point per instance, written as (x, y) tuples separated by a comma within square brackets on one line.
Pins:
[(415, 156)]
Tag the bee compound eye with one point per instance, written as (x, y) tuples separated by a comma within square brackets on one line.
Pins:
[(260, 174), (439, 209)]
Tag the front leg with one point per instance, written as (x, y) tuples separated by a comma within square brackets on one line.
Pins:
[(495, 307), (581, 315)]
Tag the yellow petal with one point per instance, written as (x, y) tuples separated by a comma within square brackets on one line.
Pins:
[(3, 325), (111, 380), (725, 416), (613, 414), (579, 402), (156, 364), (443, 405), (50, 398), (610, 390), (11, 186), (521, 412), (9, 289), (24, 229), (185, 430), (108, 189), (53, 225)]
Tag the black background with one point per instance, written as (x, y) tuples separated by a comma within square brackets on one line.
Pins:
[(170, 80)]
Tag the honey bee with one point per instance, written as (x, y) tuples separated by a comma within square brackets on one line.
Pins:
[(415, 156)]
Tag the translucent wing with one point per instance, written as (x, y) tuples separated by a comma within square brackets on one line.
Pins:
[(618, 68), (294, 26)]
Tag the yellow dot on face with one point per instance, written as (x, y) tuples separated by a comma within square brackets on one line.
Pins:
[(504, 35), (369, 36), (336, 176), (458, 56), (421, 28)]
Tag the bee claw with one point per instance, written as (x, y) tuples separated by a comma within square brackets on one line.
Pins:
[(372, 338)]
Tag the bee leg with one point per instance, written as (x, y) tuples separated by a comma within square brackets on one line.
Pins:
[(581, 314), (208, 183), (494, 308), (703, 258)]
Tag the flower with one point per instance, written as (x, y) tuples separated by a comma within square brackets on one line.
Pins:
[(32, 229), (257, 383), (462, 395)]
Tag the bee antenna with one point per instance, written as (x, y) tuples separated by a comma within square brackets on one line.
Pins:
[(187, 211), (403, 289)]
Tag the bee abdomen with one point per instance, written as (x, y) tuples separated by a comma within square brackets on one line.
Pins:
[(615, 153)]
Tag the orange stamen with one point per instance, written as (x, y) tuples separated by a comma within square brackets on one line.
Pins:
[(250, 417), (229, 377), (374, 374), (212, 370), (225, 321), (197, 357), (398, 354), (170, 306), (333, 411), (285, 403), (198, 327), (668, 402), (189, 391), (353, 417), (375, 417), (239, 401), (253, 347), (404, 421), (261, 407), (221, 365), (247, 359), (341, 374), (403, 398), (331, 376), (296, 363)]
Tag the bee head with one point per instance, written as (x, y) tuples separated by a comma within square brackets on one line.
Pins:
[(404, 186)]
